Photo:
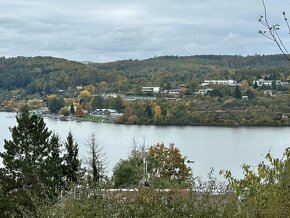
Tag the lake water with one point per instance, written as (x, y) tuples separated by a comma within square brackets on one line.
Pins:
[(217, 147)]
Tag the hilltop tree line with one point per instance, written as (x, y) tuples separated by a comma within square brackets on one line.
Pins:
[(48, 75)]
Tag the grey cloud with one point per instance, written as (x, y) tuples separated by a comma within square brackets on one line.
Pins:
[(112, 29)]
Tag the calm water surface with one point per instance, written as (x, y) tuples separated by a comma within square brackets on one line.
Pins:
[(217, 147)]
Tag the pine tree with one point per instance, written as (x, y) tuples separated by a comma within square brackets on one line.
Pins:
[(25, 157), (54, 165), (149, 111), (72, 108), (237, 92), (72, 163)]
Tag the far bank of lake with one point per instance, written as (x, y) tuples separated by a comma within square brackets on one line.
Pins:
[(217, 147)]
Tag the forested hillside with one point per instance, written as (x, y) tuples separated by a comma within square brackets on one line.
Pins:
[(47, 74)]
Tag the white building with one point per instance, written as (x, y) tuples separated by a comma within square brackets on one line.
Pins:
[(263, 82), (229, 82), (150, 89), (173, 92)]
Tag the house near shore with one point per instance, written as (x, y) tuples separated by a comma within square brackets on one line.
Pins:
[(106, 113)]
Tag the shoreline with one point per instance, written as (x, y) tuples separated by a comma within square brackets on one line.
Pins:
[(66, 119)]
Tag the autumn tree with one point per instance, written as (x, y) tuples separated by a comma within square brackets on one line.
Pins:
[(157, 113), (169, 164), (91, 88), (244, 84), (85, 94), (64, 111), (79, 111), (102, 87), (165, 167)]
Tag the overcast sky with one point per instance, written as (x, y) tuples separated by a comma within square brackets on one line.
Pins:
[(108, 30)]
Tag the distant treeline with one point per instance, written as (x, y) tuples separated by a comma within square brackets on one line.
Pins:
[(48, 74)]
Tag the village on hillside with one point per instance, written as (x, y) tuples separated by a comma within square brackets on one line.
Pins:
[(85, 103)]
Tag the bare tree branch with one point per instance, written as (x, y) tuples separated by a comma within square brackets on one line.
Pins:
[(286, 20), (271, 31)]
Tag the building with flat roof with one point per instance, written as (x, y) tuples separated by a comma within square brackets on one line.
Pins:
[(152, 89), (229, 82)]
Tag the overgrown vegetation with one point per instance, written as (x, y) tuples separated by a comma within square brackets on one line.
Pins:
[(38, 180)]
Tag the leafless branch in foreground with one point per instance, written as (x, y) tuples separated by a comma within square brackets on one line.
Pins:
[(271, 31)]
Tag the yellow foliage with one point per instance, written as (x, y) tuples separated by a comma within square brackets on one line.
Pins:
[(244, 84), (85, 93), (171, 162), (102, 85), (90, 88), (119, 119), (64, 111), (125, 103), (10, 103), (157, 111), (50, 97), (133, 119), (34, 103), (79, 111), (88, 106), (68, 101)]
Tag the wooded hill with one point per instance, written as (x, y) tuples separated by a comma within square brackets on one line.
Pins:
[(48, 74)]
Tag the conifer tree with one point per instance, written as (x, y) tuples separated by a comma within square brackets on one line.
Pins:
[(71, 162), (54, 165), (25, 159), (237, 92), (72, 108)]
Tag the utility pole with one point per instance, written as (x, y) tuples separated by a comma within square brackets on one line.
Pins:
[(145, 169)]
